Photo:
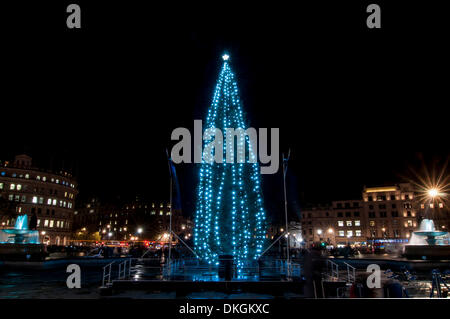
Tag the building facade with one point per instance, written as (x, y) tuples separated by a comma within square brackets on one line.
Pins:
[(136, 220), (46, 197), (387, 214)]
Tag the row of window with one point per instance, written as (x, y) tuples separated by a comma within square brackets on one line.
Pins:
[(440, 205), (51, 223), (358, 233), (349, 223), (389, 197), (393, 214), (408, 223), (19, 187), (383, 206), (40, 178), (40, 200), (161, 205)]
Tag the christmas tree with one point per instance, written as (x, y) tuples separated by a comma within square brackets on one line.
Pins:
[(230, 217)]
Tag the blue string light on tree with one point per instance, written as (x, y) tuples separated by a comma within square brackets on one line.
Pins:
[(229, 217)]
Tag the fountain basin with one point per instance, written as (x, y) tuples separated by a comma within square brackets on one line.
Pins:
[(23, 252), (428, 252)]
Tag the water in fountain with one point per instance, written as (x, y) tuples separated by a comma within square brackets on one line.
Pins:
[(20, 234), (428, 235)]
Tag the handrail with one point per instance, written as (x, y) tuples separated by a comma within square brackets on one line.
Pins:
[(123, 269), (334, 271), (351, 275), (107, 275)]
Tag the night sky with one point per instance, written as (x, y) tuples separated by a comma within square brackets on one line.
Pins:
[(355, 106)]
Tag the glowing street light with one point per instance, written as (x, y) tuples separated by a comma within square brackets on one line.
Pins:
[(319, 231), (433, 192), (139, 230), (330, 230), (110, 234), (225, 57)]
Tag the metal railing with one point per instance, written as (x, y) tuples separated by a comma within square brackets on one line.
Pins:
[(332, 269), (107, 274), (123, 273), (351, 273)]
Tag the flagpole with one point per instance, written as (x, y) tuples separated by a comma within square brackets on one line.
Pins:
[(170, 215), (285, 210)]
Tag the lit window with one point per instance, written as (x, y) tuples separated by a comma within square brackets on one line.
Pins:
[(62, 224), (12, 186), (57, 224), (27, 176), (422, 206), (51, 223), (46, 223), (441, 205), (38, 222), (410, 223), (431, 205), (44, 178), (357, 223), (54, 202), (160, 212), (1, 185), (372, 223), (153, 212), (341, 223), (57, 181), (34, 200), (349, 233), (49, 201), (38, 178), (358, 233), (349, 223), (19, 187), (341, 233), (41, 200)]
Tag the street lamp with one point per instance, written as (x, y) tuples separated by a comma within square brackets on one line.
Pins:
[(433, 192), (139, 230), (330, 230), (319, 232)]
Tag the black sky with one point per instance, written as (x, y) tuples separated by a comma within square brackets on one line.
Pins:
[(356, 106)]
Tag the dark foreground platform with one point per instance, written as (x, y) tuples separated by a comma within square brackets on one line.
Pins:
[(183, 288)]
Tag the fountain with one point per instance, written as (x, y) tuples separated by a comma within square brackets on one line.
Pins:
[(20, 234), (428, 243), (20, 243)]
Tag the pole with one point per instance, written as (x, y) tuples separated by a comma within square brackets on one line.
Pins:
[(170, 224), (285, 210), (169, 162)]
